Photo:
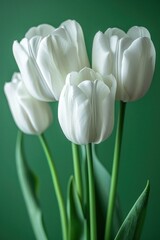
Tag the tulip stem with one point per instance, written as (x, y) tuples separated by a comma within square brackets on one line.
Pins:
[(115, 170), (92, 207), (77, 170), (56, 186)]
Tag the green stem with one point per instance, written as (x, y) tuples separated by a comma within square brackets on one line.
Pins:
[(56, 186), (92, 207), (115, 169), (77, 170)]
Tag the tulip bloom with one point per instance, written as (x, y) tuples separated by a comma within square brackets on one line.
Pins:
[(46, 55), (86, 106), (30, 115), (129, 57)]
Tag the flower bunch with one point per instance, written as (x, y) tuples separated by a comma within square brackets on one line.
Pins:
[(54, 66)]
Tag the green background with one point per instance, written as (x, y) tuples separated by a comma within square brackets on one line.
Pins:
[(140, 159)]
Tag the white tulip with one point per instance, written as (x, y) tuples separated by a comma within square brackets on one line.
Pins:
[(129, 57), (30, 115), (46, 55), (86, 106)]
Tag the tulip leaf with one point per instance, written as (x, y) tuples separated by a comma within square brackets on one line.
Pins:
[(29, 184), (77, 223), (102, 187), (132, 225)]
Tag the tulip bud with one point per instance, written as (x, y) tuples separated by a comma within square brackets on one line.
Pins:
[(86, 106), (46, 55), (129, 57), (30, 115)]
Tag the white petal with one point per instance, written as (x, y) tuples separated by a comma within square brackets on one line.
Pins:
[(56, 58), (123, 44), (104, 112), (20, 53), (75, 33), (33, 46), (72, 114), (38, 113), (81, 117), (30, 115), (137, 68), (31, 74), (136, 32), (101, 55), (35, 82), (101, 102), (41, 30), (75, 78), (89, 74), (48, 63), (17, 113), (115, 32)]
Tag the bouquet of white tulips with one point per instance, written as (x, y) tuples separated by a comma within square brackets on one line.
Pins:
[(54, 66)]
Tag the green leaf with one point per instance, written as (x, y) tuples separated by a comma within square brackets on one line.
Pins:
[(29, 184), (77, 224), (102, 187), (132, 225)]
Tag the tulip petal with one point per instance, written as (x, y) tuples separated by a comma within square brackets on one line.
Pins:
[(115, 32), (72, 114), (73, 29), (82, 119), (19, 116), (48, 62), (101, 56), (104, 114), (123, 44), (42, 30), (88, 74), (136, 32), (33, 46), (35, 82), (100, 109), (21, 53), (100, 104), (75, 33), (38, 113), (31, 74), (30, 115), (56, 58), (138, 67)]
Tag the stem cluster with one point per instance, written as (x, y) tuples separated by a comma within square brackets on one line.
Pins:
[(91, 187)]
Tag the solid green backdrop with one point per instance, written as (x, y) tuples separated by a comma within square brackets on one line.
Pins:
[(140, 159)]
